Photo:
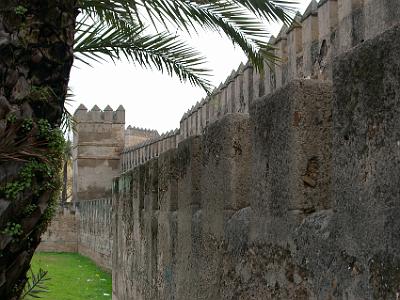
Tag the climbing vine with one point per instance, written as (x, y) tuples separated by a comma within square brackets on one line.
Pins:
[(12, 229), (40, 94), (20, 10), (29, 209)]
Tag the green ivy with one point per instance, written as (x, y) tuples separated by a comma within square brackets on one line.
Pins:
[(56, 146), (12, 189), (27, 125), (29, 209), (12, 229), (32, 169), (20, 10), (11, 118), (40, 94)]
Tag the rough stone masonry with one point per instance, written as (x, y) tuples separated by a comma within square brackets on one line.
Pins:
[(279, 186)]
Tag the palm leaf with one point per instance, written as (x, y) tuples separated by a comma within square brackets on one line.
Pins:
[(68, 122), (240, 20), (272, 10), (162, 51), (35, 285)]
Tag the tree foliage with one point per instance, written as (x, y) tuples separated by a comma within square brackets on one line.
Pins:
[(139, 31)]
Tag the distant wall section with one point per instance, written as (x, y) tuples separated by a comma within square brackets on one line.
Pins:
[(134, 135), (95, 234), (62, 234)]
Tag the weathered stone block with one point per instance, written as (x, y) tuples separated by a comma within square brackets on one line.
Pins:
[(292, 156), (225, 186), (167, 225), (189, 203), (380, 16)]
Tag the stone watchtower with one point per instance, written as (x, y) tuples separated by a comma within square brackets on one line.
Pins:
[(98, 142)]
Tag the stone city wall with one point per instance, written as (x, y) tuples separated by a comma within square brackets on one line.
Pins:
[(152, 147), (183, 219), (298, 200), (95, 234), (62, 233)]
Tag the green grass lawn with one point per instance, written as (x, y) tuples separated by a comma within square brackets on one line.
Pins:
[(72, 277)]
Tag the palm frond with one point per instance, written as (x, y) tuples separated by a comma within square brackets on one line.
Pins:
[(162, 51), (240, 20), (272, 10), (68, 122), (36, 285)]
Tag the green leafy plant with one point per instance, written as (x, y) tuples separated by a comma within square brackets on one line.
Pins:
[(32, 169), (35, 285), (27, 125), (40, 94), (12, 229), (29, 209), (11, 118), (20, 10)]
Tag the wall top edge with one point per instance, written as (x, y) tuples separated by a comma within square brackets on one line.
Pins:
[(166, 135)]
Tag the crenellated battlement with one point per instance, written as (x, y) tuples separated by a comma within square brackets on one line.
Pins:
[(306, 50), (148, 149), (136, 135), (96, 115), (140, 131)]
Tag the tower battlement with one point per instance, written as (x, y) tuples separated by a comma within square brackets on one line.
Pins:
[(96, 115)]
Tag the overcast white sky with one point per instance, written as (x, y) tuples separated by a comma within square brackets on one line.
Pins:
[(151, 99)]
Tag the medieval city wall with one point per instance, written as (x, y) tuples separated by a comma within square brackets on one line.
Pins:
[(85, 226), (184, 219), (298, 200)]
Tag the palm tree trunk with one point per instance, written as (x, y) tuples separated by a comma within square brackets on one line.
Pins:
[(36, 39)]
